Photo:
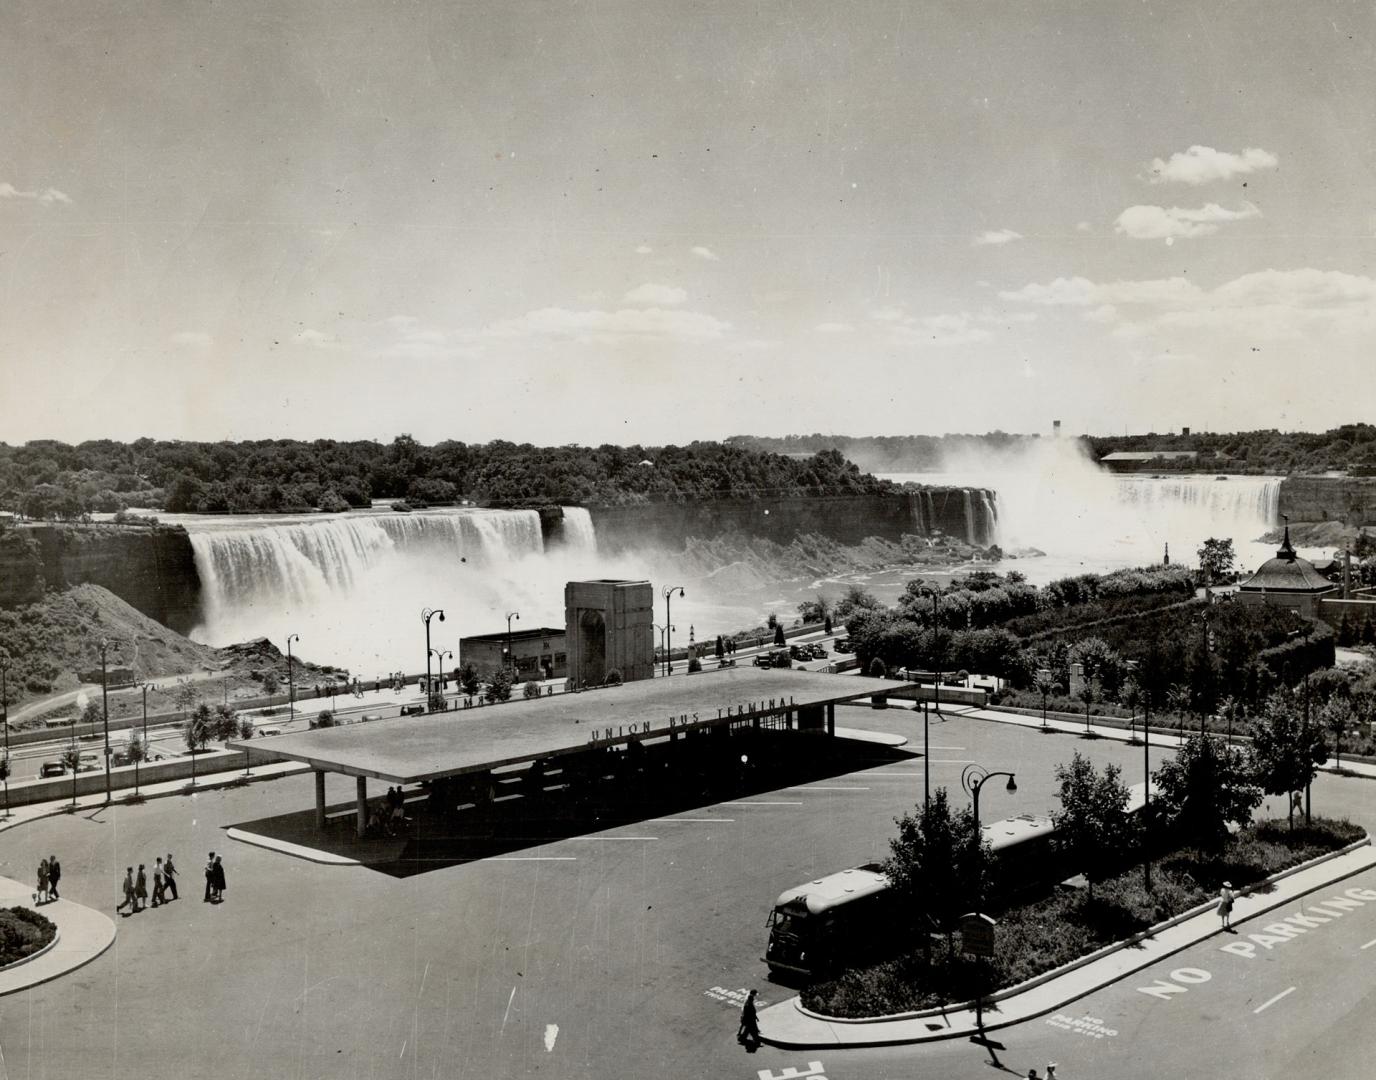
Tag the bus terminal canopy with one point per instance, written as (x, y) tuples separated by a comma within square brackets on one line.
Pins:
[(415, 748)]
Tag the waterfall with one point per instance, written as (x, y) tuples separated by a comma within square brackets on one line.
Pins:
[(352, 585), (970, 537)]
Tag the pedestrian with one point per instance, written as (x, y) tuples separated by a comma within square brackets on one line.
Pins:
[(1050, 1070), (1032, 1074), (41, 896), (218, 879), (748, 1034), (1225, 905), (159, 883), (169, 876), (209, 876), (54, 876), (128, 887), (141, 889)]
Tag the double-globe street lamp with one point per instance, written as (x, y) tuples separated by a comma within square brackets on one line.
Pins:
[(663, 638), (5, 706), (426, 615), (440, 654), (972, 779), (105, 644), (669, 626)]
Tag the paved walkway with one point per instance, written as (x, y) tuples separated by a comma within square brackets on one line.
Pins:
[(787, 1025), (82, 934)]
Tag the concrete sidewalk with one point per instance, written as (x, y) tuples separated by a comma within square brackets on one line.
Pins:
[(789, 1025), (82, 934)]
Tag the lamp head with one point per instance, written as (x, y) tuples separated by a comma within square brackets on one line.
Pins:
[(1012, 785), (441, 616)]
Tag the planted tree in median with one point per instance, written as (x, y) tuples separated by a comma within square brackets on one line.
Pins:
[(1093, 827), (1286, 752), (1216, 559), (935, 869), (1207, 785)]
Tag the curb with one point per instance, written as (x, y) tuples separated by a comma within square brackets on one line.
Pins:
[(286, 847), (57, 936), (1038, 980)]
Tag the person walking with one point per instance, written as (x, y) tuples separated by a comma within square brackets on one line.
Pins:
[(1050, 1070), (41, 896), (169, 877), (159, 884), (141, 889), (54, 876), (128, 887), (1225, 905), (748, 1034), (209, 877), (218, 880)]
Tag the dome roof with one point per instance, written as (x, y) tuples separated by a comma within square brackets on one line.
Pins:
[(1287, 572)]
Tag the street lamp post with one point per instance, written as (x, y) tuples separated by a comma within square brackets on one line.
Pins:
[(5, 705), (105, 711), (426, 615), (934, 593), (439, 663), (972, 779), (510, 659), (1146, 791), (668, 626), (926, 761), (144, 688), (291, 683)]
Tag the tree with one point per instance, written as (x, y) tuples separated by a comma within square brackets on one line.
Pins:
[(71, 759), (854, 601), (499, 686), (935, 868), (1044, 687), (814, 611), (1207, 785), (1087, 696), (271, 682), (1216, 559), (1093, 826), (1131, 696), (468, 678), (1286, 753), (186, 697), (224, 722), (778, 634), (246, 728), (694, 665), (613, 678), (199, 726), (1336, 717), (531, 690), (324, 720)]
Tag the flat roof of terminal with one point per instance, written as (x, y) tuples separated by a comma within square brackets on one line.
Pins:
[(409, 749)]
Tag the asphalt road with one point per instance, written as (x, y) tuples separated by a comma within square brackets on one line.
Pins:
[(609, 954)]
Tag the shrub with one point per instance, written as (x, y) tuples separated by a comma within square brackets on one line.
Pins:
[(23, 932)]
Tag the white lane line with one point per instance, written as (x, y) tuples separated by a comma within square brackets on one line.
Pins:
[(839, 787), (1268, 1004), (1369, 943), (761, 803), (692, 820), (531, 858)]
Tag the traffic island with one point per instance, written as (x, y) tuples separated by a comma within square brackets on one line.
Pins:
[(789, 1024), (82, 934)]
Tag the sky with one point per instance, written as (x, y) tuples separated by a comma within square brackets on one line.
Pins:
[(654, 222)]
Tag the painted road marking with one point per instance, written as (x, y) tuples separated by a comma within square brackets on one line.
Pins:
[(814, 1070), (1305, 919), (761, 803), (1369, 943), (732, 997), (1268, 1004), (1091, 1026), (1163, 989)]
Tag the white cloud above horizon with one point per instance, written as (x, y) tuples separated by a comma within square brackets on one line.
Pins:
[(1159, 223), (608, 327), (1203, 164), (316, 339), (834, 328), (44, 196), (644, 249), (705, 253), (654, 295), (191, 339), (996, 238)]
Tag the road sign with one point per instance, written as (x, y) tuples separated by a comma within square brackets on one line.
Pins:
[(977, 934)]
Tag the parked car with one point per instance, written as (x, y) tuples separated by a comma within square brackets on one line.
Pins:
[(88, 763), (818, 653), (52, 768), (413, 710), (369, 717), (844, 645), (782, 658), (270, 729), (800, 652), (763, 660)]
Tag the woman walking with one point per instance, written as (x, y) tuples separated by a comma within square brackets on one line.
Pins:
[(141, 890), (217, 882), (41, 896), (1225, 905)]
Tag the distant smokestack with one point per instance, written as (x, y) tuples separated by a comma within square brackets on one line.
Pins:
[(1184, 431), (1055, 429)]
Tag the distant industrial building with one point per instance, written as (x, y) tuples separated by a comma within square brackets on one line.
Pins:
[(1136, 460), (535, 654)]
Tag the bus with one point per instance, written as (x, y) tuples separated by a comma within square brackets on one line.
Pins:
[(830, 922), (843, 918)]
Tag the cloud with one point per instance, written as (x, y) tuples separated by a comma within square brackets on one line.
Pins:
[(644, 249), (834, 328), (1158, 223), (1082, 226), (191, 339), (705, 253), (316, 339), (47, 197), (414, 340), (656, 295), (939, 330), (996, 238), (608, 327), (1202, 164), (1267, 303)]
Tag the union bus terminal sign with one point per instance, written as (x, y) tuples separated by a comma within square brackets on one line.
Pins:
[(762, 710)]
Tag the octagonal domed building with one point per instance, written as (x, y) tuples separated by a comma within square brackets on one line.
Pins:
[(1287, 581)]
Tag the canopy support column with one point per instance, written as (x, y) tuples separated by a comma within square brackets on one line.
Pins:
[(319, 800), (362, 805), (831, 718)]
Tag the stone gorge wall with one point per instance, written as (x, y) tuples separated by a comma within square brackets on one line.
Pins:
[(966, 514), (152, 570), (1348, 499)]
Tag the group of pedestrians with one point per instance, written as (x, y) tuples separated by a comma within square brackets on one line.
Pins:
[(135, 886), (49, 874)]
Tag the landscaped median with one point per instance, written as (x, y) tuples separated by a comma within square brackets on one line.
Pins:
[(1057, 981), (1058, 929), (24, 934)]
